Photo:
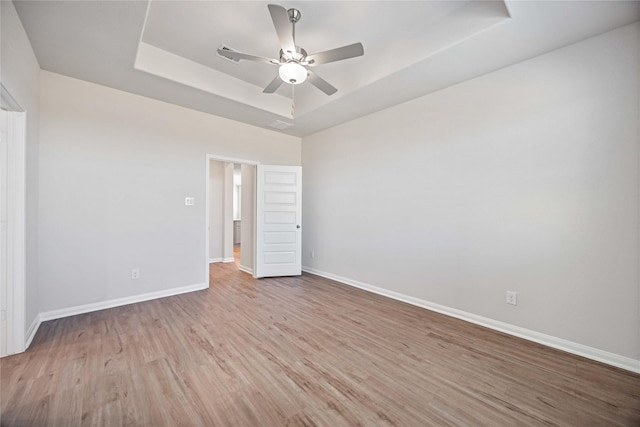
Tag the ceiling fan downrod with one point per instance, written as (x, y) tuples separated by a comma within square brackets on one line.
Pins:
[(294, 17), (299, 54)]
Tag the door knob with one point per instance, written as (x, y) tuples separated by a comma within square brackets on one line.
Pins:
[(297, 226)]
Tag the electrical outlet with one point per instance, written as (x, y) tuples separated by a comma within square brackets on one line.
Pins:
[(312, 254), (189, 201), (512, 297), (135, 274)]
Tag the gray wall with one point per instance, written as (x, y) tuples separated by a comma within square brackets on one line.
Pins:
[(114, 171), (525, 179)]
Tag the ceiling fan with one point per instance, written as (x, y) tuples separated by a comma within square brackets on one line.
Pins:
[(293, 60)]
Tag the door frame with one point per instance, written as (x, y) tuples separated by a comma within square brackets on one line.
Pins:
[(16, 223), (217, 158)]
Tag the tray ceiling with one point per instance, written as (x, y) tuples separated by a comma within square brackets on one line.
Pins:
[(167, 49)]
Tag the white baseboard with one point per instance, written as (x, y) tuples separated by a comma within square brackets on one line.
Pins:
[(31, 332), (214, 260), (246, 269), (613, 359), (87, 308)]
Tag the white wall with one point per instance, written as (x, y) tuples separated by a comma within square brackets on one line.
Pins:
[(114, 171), (20, 74), (525, 179)]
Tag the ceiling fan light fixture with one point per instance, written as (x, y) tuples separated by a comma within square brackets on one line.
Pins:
[(292, 73)]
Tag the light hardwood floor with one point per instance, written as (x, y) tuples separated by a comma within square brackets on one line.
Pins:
[(299, 352), (236, 255)]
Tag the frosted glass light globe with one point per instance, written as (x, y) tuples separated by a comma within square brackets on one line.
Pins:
[(292, 73)]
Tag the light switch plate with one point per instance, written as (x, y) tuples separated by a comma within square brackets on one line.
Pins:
[(512, 298)]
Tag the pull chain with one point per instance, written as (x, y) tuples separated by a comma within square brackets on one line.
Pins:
[(293, 100)]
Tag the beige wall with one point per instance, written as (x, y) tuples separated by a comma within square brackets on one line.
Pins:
[(525, 179), (114, 171)]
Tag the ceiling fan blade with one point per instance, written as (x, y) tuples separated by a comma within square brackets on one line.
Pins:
[(274, 85), (284, 29), (232, 54), (320, 83), (337, 54)]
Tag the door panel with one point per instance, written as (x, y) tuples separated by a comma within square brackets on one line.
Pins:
[(278, 222)]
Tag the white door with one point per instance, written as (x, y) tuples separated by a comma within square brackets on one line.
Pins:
[(278, 221)]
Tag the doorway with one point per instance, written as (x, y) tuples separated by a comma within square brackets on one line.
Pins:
[(230, 212)]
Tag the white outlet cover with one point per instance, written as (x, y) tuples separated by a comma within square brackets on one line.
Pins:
[(189, 201)]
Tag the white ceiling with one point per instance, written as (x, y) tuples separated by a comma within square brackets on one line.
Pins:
[(167, 49)]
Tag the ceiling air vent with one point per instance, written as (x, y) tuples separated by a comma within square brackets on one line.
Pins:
[(279, 124), (228, 49)]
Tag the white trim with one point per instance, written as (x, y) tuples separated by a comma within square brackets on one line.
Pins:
[(613, 359), (87, 308), (207, 226), (220, 259), (246, 269), (231, 160), (31, 332), (16, 226), (17, 182)]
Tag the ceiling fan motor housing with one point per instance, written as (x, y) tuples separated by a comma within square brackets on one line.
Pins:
[(299, 56)]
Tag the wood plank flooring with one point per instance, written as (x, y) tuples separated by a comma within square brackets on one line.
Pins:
[(300, 351)]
